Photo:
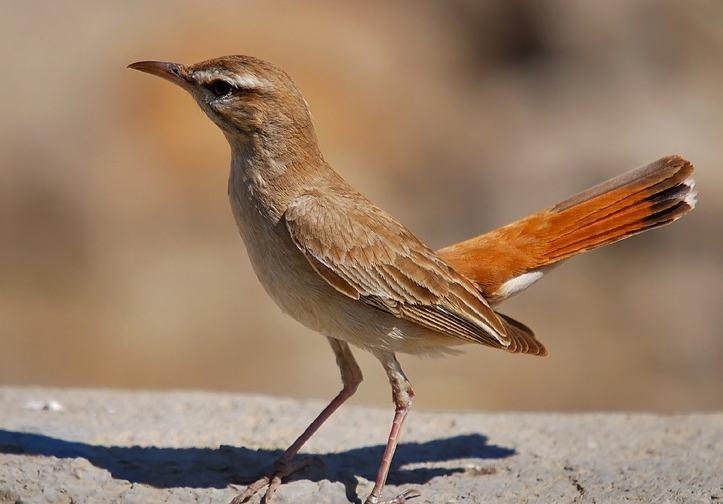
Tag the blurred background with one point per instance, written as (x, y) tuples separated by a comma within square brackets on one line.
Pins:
[(120, 264)]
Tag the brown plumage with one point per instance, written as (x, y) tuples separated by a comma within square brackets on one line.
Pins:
[(367, 255), (340, 265)]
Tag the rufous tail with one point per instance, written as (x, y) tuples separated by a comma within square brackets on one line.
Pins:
[(509, 259)]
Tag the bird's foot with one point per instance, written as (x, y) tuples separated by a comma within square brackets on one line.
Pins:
[(402, 498), (280, 470)]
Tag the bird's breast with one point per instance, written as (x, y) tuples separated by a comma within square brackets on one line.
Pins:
[(280, 266), (295, 286)]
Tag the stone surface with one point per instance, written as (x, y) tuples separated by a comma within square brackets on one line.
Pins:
[(99, 446)]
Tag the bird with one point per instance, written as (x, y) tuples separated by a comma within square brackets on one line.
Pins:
[(345, 268)]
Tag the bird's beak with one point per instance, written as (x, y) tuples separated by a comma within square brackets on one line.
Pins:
[(173, 72)]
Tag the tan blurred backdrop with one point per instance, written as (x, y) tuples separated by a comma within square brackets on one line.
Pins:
[(120, 265)]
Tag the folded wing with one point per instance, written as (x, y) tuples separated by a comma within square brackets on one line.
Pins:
[(365, 254)]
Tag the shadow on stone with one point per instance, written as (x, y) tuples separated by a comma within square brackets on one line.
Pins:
[(218, 467)]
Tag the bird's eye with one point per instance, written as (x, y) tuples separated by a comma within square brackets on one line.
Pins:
[(220, 88)]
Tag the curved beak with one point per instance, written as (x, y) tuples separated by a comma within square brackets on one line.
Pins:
[(173, 72)]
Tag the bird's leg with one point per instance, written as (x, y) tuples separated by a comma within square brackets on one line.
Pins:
[(351, 377), (402, 395)]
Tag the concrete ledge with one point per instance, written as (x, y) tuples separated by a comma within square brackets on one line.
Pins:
[(99, 446)]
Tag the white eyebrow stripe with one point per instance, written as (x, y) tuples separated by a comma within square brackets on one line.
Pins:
[(250, 82), (245, 81)]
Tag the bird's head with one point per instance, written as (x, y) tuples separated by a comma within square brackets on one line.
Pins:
[(243, 95)]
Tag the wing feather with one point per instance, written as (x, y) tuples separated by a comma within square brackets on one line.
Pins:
[(365, 254)]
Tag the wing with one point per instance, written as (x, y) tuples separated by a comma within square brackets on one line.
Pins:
[(365, 254)]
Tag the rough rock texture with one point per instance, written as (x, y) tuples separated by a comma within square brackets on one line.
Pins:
[(100, 446)]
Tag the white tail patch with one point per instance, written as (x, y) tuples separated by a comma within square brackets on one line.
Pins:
[(692, 197), (518, 283)]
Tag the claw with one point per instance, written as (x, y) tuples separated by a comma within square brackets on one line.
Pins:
[(410, 494), (273, 486), (281, 469), (251, 490), (402, 498)]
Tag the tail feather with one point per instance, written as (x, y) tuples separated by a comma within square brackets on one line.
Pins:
[(509, 259), (633, 202)]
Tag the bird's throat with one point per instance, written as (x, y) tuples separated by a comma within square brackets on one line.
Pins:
[(268, 173)]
